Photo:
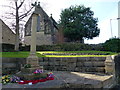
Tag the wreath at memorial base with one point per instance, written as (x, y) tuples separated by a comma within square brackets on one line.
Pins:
[(14, 79)]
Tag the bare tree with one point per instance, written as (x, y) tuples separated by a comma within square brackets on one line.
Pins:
[(18, 19), (17, 14)]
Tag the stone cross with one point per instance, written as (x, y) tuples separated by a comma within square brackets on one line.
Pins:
[(32, 59), (33, 34)]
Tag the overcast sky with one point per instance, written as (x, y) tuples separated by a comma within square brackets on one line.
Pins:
[(104, 10)]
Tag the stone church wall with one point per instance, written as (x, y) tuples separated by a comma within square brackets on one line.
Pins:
[(42, 39), (8, 36)]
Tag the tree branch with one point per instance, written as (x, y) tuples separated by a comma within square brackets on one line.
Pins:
[(21, 4), (11, 14), (22, 20), (9, 7), (25, 14), (16, 5), (7, 17)]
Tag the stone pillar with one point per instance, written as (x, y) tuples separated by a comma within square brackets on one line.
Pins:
[(1, 34), (119, 19), (117, 68), (33, 34), (1, 51), (110, 68), (110, 65), (32, 58)]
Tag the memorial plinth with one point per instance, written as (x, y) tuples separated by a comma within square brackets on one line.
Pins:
[(33, 61)]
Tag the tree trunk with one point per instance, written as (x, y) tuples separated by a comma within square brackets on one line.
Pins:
[(17, 29)]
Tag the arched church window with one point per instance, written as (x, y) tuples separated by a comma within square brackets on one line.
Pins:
[(38, 23)]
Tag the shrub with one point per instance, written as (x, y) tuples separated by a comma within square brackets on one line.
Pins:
[(112, 45), (97, 47), (24, 48), (74, 47), (41, 48), (7, 47), (65, 47), (46, 48)]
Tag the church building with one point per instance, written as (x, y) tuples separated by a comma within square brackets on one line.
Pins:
[(47, 29)]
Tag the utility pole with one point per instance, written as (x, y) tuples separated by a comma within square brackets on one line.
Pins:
[(111, 27)]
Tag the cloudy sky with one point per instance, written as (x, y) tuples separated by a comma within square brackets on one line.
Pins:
[(104, 10)]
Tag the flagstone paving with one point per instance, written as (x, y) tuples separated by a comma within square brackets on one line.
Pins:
[(70, 80)]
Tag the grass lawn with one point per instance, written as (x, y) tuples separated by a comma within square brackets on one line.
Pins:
[(41, 54)]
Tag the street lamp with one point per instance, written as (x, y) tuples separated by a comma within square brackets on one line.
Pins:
[(118, 27), (111, 28), (111, 25)]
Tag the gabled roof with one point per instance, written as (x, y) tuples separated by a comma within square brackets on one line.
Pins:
[(54, 22), (44, 15), (6, 26)]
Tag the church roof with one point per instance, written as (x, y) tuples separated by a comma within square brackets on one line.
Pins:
[(45, 17)]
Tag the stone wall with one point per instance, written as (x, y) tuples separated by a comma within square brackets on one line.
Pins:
[(79, 64), (12, 65), (108, 65), (0, 31)]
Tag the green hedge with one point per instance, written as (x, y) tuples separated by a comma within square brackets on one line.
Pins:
[(7, 47), (74, 47), (112, 45), (65, 47)]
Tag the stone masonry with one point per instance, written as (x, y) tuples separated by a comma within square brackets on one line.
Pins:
[(78, 64), (8, 36), (78, 72)]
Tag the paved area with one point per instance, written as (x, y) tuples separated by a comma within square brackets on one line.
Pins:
[(69, 80), (116, 87)]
